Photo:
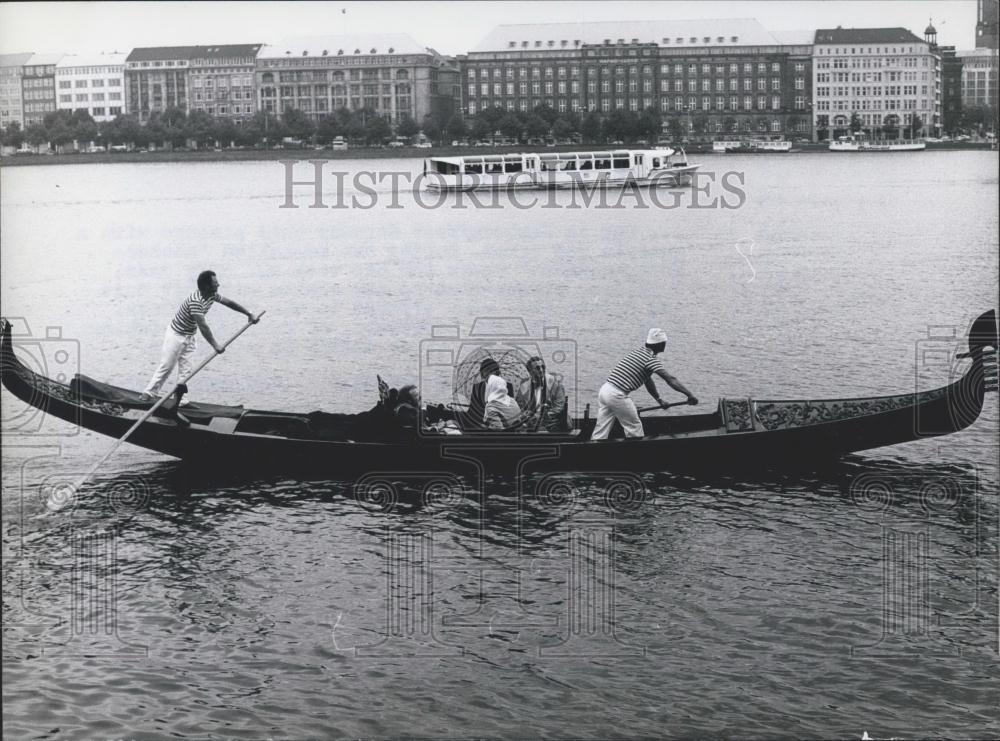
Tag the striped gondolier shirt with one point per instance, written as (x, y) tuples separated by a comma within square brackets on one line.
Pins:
[(634, 369), (195, 304)]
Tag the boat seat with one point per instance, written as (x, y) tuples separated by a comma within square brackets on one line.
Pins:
[(87, 388)]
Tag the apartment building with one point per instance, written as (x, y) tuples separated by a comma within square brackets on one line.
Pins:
[(11, 92), (94, 83), (884, 75), (717, 77), (389, 75), (38, 87), (979, 77), (222, 81)]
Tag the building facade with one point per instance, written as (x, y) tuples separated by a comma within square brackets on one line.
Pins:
[(222, 81), (93, 83), (388, 75), (717, 78), (38, 87), (951, 89), (987, 24), (888, 77), (979, 77), (11, 91), (156, 79)]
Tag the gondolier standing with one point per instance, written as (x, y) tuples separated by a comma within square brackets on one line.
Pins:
[(634, 370), (179, 341)]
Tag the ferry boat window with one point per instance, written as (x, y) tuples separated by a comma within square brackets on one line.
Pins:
[(567, 166), (602, 164), (512, 167), (587, 165), (656, 162), (494, 167), (621, 162), (476, 169), (446, 168)]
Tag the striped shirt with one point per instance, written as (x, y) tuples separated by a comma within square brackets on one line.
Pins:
[(194, 305), (635, 369)]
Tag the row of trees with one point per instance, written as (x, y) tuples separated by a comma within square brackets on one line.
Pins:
[(177, 127)]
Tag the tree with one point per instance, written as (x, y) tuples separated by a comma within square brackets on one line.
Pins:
[(916, 125), (480, 129), (536, 127), (201, 127), (225, 132), (298, 124), (547, 113), (563, 129), (676, 129), (855, 126), (700, 124), (650, 124), (592, 127), (455, 128), (510, 126), (431, 127), (36, 135), (407, 126), (13, 135), (60, 127), (377, 130)]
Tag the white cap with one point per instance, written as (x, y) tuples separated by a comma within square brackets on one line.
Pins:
[(656, 336)]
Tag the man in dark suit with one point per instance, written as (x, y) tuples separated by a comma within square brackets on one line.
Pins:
[(473, 419)]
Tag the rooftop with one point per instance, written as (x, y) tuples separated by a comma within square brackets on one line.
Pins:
[(839, 35), (170, 53), (91, 60), (15, 60), (43, 59), (343, 45), (696, 33)]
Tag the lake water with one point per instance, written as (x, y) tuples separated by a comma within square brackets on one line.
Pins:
[(863, 598)]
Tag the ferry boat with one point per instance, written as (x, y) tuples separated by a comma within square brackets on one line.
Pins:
[(533, 171), (856, 143), (751, 146)]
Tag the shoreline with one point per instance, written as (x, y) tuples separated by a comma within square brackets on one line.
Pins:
[(265, 155)]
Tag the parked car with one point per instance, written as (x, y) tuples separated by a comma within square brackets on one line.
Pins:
[(118, 148), (338, 143)]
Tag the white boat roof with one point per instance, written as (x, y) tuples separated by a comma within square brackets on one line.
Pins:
[(551, 156)]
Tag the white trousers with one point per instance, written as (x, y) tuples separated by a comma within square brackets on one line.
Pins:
[(612, 404), (177, 351)]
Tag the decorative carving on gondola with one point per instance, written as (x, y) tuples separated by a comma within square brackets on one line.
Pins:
[(738, 415), (63, 392), (776, 415)]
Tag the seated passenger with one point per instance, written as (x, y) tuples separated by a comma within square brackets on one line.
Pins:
[(502, 412), (407, 409), (477, 399), (542, 399)]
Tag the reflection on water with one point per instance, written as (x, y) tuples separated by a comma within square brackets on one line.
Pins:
[(802, 604)]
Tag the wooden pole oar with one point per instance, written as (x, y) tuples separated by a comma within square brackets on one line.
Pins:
[(661, 406), (159, 402)]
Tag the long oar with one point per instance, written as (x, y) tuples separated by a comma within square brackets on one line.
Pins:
[(661, 406), (149, 412)]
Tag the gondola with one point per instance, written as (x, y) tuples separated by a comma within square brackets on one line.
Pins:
[(739, 433)]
